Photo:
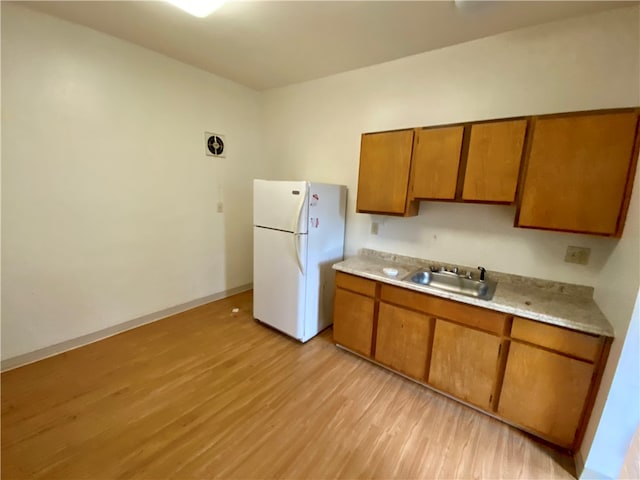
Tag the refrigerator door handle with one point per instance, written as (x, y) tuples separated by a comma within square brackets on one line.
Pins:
[(296, 225), (296, 246)]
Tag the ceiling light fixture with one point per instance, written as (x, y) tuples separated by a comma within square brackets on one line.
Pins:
[(198, 8)]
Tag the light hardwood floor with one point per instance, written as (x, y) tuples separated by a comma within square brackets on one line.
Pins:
[(208, 393)]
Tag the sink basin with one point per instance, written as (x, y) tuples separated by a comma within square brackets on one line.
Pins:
[(452, 282)]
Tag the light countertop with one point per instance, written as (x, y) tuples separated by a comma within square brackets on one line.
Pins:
[(562, 304)]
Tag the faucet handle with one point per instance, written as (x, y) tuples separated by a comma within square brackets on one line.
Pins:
[(483, 271)]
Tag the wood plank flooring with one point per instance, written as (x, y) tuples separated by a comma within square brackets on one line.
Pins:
[(212, 394)]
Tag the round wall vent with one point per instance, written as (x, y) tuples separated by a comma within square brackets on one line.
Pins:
[(214, 144)]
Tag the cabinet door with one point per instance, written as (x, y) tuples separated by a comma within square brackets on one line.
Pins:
[(385, 164), (436, 160), (493, 161), (402, 340), (353, 321), (577, 172), (545, 392), (464, 363)]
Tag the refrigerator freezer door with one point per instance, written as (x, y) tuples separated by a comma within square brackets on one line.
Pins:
[(279, 287), (281, 205)]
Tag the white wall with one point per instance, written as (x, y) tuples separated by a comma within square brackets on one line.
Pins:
[(616, 412), (608, 445), (108, 201), (313, 132)]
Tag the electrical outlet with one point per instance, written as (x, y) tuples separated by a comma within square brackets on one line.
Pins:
[(220, 207), (374, 228), (579, 255)]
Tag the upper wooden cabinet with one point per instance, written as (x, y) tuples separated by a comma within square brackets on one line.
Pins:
[(569, 172), (493, 161), (436, 159), (441, 163), (383, 179), (579, 172)]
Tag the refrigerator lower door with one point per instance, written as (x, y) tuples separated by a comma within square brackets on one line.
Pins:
[(279, 260)]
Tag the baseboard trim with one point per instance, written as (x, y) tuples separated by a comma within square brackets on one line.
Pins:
[(58, 348)]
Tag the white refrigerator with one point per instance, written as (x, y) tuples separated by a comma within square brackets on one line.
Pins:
[(298, 234)]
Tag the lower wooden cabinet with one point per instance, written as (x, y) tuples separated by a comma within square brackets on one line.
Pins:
[(353, 321), (403, 339), (464, 363), (540, 377), (545, 392)]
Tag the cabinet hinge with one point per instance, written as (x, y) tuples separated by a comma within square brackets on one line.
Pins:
[(499, 349), (490, 398)]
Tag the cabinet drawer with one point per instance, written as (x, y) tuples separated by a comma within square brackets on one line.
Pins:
[(356, 284), (476, 317), (576, 344)]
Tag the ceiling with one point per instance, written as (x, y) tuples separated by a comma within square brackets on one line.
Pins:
[(266, 44)]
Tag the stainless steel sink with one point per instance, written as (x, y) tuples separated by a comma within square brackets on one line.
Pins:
[(452, 282)]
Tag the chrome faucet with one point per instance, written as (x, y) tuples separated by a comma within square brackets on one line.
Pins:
[(458, 272), (483, 271)]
